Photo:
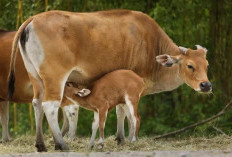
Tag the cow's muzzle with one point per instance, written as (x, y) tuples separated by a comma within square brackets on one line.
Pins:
[(205, 86)]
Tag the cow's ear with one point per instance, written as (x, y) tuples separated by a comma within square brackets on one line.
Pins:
[(167, 60), (84, 92)]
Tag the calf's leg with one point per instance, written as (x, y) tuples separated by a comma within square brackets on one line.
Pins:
[(102, 120), (120, 135), (71, 112), (64, 129), (95, 126), (132, 104)]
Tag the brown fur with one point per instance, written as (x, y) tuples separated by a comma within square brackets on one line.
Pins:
[(23, 92)]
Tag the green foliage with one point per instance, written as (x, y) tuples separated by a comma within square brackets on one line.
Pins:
[(187, 22)]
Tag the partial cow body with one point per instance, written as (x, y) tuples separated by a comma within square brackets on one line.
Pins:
[(58, 45), (23, 92)]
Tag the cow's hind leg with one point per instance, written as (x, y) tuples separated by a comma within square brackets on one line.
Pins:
[(4, 117), (39, 114), (53, 92), (32, 54)]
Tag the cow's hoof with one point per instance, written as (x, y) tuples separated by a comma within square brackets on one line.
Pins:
[(40, 147), (5, 140), (119, 140), (63, 147), (91, 146)]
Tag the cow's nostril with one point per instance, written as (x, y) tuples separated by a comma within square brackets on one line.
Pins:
[(205, 86), (202, 85)]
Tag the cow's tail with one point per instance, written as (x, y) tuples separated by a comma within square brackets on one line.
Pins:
[(11, 76)]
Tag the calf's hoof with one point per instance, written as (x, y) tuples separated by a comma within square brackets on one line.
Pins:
[(40, 147), (63, 147), (133, 139)]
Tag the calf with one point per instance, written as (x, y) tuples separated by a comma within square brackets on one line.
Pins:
[(117, 87)]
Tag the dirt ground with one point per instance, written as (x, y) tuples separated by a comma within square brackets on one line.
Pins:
[(218, 146), (128, 154)]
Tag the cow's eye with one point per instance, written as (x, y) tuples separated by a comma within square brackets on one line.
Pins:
[(190, 67)]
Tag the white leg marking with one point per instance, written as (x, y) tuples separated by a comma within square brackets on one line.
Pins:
[(95, 126), (72, 115), (131, 110), (38, 110), (51, 111)]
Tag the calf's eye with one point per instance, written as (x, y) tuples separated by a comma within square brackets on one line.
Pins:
[(190, 67)]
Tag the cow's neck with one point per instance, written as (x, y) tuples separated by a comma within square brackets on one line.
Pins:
[(164, 78)]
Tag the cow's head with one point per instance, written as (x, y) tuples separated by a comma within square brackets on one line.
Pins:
[(192, 67), (71, 90)]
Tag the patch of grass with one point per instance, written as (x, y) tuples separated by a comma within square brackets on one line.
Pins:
[(25, 144)]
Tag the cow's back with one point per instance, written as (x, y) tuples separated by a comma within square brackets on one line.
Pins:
[(100, 42)]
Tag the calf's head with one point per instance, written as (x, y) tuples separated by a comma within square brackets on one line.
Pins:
[(192, 67), (71, 91)]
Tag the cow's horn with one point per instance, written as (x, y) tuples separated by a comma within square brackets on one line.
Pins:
[(202, 48), (183, 50)]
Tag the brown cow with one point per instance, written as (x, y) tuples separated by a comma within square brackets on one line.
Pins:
[(58, 45)]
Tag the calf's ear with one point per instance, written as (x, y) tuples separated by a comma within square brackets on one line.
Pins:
[(84, 92), (69, 84), (167, 60)]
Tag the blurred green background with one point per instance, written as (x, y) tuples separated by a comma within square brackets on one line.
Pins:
[(187, 22)]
